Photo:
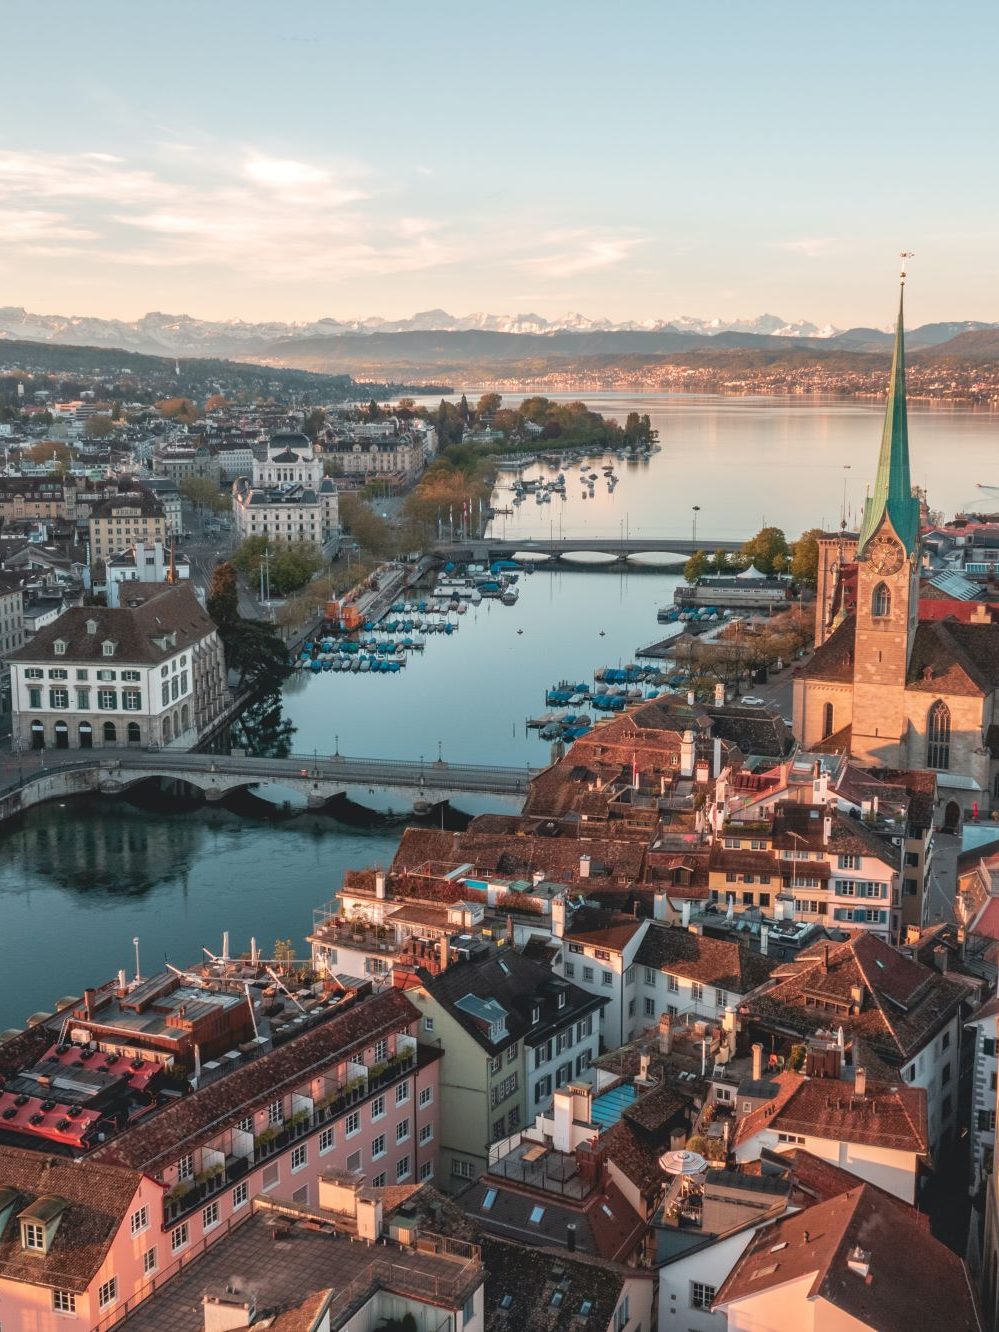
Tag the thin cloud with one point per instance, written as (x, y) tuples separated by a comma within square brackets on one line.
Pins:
[(569, 253), (809, 246)]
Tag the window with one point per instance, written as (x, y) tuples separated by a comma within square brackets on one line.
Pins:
[(83, 700), (721, 998), (402, 1130), (401, 1168), (210, 1216), (275, 1113), (649, 1007), (426, 1134), (537, 1216), (570, 970), (59, 647), (378, 1147), (945, 1040), (106, 676), (428, 1024), (378, 1108), (381, 1052), (511, 1055), (880, 602), (34, 673), (63, 1301), (353, 1124), (59, 674), (299, 1157), (240, 1195), (402, 1093), (673, 984), (132, 676), (827, 721), (58, 698), (34, 698), (180, 1237), (701, 1296), (426, 1096), (131, 700), (326, 1141), (107, 648), (621, 1315), (588, 975), (107, 700), (185, 1167), (696, 990), (499, 1128), (631, 1008), (33, 1236), (607, 977), (938, 736), (354, 1163), (149, 1261), (139, 1221), (463, 1169), (650, 976), (542, 1089), (426, 1171)]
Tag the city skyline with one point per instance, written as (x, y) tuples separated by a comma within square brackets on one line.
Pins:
[(351, 168)]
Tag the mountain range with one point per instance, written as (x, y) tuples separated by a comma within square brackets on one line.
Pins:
[(162, 334)]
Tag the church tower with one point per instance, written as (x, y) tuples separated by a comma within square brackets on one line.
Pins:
[(888, 562)]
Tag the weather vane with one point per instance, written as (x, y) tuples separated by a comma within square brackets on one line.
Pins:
[(903, 255)]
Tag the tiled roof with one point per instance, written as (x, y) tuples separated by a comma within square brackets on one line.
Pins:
[(607, 929), (516, 984), (817, 1180), (147, 504), (787, 1083), (195, 1119), (98, 1198), (952, 658), (888, 1116), (719, 962), (164, 611), (915, 1281), (833, 661), (904, 1004), (520, 1283), (607, 1226)]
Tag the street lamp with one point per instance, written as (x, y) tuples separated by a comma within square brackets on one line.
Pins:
[(138, 972), (696, 509)]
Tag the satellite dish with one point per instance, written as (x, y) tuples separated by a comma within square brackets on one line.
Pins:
[(683, 1163)]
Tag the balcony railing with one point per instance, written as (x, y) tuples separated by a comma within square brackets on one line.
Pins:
[(202, 1189)]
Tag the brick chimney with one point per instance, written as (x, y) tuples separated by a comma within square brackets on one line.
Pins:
[(860, 1082)]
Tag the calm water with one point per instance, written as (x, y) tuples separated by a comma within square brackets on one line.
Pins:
[(77, 883)]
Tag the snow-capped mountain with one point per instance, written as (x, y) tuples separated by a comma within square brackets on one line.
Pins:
[(170, 334)]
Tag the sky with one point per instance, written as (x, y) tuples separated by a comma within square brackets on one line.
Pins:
[(238, 159)]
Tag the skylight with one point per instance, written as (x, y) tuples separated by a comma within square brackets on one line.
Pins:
[(506, 1301), (585, 1308), (556, 1300), (489, 1199), (537, 1213)]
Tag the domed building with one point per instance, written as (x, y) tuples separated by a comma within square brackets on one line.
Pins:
[(288, 498)]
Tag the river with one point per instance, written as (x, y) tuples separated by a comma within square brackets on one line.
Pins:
[(78, 882)]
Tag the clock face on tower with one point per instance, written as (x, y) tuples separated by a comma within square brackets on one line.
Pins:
[(885, 555)]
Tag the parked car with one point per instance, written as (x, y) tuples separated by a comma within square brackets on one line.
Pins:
[(752, 701)]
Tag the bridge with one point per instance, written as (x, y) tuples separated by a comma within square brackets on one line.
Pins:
[(56, 774), (553, 550)]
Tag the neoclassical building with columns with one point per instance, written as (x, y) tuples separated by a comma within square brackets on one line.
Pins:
[(884, 686)]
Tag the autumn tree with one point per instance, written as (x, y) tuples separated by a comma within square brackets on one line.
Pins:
[(222, 602), (50, 450), (99, 427), (805, 557), (767, 550), (696, 567), (205, 494), (488, 405)]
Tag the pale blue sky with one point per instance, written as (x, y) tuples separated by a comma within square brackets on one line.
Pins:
[(247, 159)]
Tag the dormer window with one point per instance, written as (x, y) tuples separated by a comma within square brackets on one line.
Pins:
[(561, 998), (107, 647), (59, 647), (535, 1014), (39, 1223), (33, 1236), (91, 626)]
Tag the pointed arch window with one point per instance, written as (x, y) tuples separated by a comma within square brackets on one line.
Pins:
[(827, 721), (881, 602), (938, 736)]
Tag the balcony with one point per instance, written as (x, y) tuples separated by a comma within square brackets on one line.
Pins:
[(189, 1195)]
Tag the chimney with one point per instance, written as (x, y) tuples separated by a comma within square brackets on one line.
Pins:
[(719, 694), (730, 909), (225, 1313), (643, 1068), (717, 760), (687, 751), (691, 697), (380, 885), (369, 1218), (941, 959), (570, 1236), (764, 939), (89, 995), (122, 983), (860, 1082), (584, 867), (444, 953), (825, 959), (685, 913), (538, 877), (757, 1062), (558, 917), (665, 1034), (826, 829)]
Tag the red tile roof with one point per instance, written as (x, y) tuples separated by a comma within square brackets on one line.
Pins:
[(887, 1115), (911, 1281)]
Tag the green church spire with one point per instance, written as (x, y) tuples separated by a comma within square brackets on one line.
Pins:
[(892, 493)]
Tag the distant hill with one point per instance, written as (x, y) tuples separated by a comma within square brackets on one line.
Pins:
[(980, 343)]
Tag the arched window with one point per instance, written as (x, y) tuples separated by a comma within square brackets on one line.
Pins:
[(827, 721), (134, 733), (110, 733), (880, 602), (938, 736)]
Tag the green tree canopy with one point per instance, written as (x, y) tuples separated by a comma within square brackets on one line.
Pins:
[(768, 550), (290, 563), (696, 567), (98, 427), (205, 494), (805, 557), (488, 405)]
